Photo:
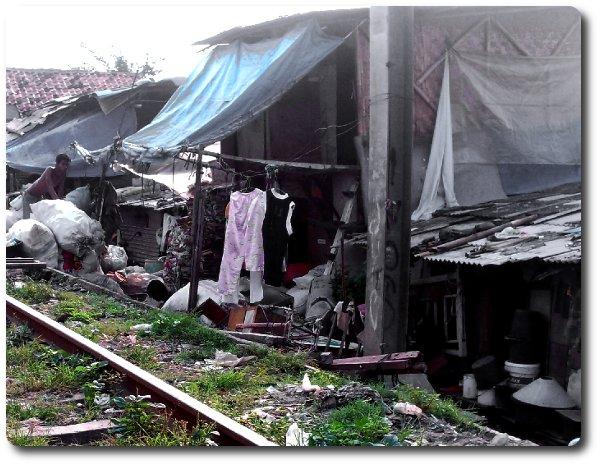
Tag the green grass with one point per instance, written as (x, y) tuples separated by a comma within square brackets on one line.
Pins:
[(35, 366), (357, 424), (32, 292), (186, 328), (434, 404), (17, 335), (142, 425), (215, 382), (22, 440), (144, 357), (18, 412), (75, 307)]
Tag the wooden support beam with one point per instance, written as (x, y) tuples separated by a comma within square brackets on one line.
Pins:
[(197, 237), (322, 167), (390, 156), (328, 111)]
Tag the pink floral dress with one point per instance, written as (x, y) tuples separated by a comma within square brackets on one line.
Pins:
[(243, 238)]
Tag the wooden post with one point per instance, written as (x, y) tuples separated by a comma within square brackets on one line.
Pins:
[(197, 236), (390, 154)]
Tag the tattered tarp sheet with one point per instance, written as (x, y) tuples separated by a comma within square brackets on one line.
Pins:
[(505, 125), (516, 123), (230, 87), (34, 151), (178, 175)]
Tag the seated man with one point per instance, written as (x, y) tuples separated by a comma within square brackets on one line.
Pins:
[(51, 184)]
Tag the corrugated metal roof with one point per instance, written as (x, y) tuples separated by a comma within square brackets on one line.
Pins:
[(554, 236)]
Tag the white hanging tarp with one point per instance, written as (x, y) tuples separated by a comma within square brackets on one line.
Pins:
[(440, 169), (515, 125)]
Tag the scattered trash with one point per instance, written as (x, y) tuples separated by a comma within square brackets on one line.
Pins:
[(102, 400), (307, 386), (227, 359), (507, 233), (406, 408), (295, 437), (207, 289), (142, 327), (114, 259), (500, 440)]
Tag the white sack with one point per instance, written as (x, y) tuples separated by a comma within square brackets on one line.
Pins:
[(81, 198), (207, 289), (75, 232), (115, 259), (17, 203), (12, 216), (38, 241)]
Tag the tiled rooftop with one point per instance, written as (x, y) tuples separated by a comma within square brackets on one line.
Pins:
[(28, 89)]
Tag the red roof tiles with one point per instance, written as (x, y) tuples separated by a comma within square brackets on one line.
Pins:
[(28, 89)]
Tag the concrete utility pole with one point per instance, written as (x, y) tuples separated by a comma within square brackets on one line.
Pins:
[(390, 156)]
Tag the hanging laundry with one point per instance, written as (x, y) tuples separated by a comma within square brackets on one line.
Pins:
[(277, 228), (243, 244)]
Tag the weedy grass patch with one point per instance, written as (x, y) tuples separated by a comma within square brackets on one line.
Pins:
[(434, 404), (186, 328), (359, 423), (17, 412), (142, 356), (142, 425), (35, 366), (31, 292)]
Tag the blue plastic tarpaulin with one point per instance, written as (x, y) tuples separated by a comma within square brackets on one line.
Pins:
[(34, 151), (231, 86)]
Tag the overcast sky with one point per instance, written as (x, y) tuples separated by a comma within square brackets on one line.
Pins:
[(39, 36)]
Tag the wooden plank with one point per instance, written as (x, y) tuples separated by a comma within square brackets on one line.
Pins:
[(337, 240), (322, 167)]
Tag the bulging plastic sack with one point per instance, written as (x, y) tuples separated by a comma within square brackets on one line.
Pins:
[(12, 216), (115, 259), (81, 198), (38, 241), (74, 230), (207, 289)]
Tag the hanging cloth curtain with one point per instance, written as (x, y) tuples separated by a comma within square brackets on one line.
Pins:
[(440, 169)]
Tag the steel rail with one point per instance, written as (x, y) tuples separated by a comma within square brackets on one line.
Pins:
[(183, 405)]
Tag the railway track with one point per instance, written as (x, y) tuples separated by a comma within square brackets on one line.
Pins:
[(183, 406)]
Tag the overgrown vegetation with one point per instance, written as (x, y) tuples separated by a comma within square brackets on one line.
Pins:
[(434, 404), (31, 292), (18, 412), (72, 306), (359, 423), (145, 424), (186, 328), (36, 366), (144, 357)]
